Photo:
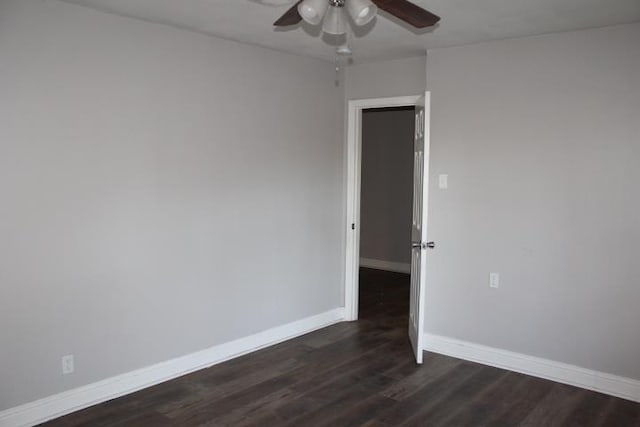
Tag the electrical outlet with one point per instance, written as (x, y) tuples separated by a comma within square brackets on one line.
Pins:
[(67, 364), (494, 280)]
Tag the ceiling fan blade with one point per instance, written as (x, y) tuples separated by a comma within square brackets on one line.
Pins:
[(290, 17), (408, 12)]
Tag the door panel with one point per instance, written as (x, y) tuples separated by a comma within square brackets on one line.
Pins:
[(419, 226)]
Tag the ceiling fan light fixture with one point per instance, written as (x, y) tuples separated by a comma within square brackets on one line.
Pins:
[(361, 11), (312, 11), (344, 50), (334, 21)]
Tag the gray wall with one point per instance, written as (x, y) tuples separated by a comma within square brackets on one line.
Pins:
[(160, 192), (541, 141), (398, 77), (387, 185)]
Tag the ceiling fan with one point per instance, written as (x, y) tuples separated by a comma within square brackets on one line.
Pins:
[(331, 13)]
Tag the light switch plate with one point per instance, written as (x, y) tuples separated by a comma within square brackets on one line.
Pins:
[(494, 280), (443, 181)]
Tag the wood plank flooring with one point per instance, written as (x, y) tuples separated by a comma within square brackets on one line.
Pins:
[(358, 374)]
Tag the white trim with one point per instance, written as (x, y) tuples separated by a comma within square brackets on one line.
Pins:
[(73, 400), (613, 385), (378, 264), (354, 149)]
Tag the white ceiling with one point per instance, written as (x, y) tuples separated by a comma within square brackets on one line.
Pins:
[(463, 22)]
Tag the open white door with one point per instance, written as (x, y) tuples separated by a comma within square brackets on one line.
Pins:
[(419, 226)]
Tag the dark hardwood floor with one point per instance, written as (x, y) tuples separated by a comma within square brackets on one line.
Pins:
[(358, 374)]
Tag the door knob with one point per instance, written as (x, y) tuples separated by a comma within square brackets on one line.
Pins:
[(420, 245)]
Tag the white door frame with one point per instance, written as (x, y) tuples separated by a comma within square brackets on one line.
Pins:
[(354, 159)]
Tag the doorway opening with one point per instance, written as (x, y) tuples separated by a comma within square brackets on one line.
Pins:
[(357, 111), (386, 199)]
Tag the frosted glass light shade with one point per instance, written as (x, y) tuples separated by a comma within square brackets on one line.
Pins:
[(312, 11), (362, 11), (334, 21)]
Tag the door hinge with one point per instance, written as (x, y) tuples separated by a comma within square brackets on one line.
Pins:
[(353, 226)]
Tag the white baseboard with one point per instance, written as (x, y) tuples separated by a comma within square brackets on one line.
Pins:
[(378, 264), (613, 385), (73, 400)]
